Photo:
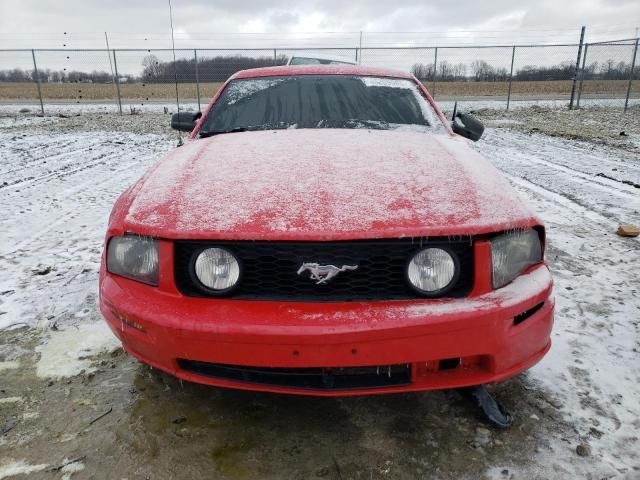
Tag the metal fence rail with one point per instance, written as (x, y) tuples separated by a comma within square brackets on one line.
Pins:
[(133, 79)]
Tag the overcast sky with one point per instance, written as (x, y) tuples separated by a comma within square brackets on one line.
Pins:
[(222, 23)]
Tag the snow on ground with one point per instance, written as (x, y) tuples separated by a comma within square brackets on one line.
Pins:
[(55, 196), (593, 365), (56, 191), (71, 350)]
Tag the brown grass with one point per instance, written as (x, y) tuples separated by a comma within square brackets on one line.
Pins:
[(528, 88), (87, 92), (140, 93)]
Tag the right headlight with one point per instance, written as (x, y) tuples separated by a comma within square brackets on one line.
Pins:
[(512, 253), (432, 271)]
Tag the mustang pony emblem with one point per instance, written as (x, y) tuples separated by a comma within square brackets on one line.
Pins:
[(324, 273)]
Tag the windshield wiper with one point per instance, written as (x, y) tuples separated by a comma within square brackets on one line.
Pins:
[(231, 130), (248, 128), (353, 123)]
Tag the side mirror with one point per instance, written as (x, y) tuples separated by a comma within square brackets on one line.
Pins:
[(467, 126), (184, 121)]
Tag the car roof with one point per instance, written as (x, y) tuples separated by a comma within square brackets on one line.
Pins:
[(286, 70)]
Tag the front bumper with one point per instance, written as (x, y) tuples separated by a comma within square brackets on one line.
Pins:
[(493, 335)]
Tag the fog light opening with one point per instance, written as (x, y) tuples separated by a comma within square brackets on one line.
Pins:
[(449, 363)]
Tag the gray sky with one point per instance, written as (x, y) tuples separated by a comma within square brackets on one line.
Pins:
[(225, 23), (144, 24)]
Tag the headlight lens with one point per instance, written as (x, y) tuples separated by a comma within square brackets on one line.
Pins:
[(432, 270), (134, 257), (217, 269), (512, 253)]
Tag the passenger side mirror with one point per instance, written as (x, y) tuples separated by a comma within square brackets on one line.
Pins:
[(467, 126), (184, 121)]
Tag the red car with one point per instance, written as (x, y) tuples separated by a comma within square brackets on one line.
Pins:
[(325, 231)]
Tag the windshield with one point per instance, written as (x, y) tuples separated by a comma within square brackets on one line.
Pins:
[(320, 101)]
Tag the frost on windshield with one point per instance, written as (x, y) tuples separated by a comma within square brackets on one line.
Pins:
[(321, 101), (245, 88)]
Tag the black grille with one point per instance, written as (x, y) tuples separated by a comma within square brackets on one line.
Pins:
[(269, 269), (341, 378)]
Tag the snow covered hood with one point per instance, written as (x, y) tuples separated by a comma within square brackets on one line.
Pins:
[(323, 184)]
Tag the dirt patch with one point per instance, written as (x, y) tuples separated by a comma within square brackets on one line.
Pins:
[(83, 92), (131, 421)]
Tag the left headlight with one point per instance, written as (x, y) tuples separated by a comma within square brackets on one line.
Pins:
[(217, 269), (512, 253), (134, 257)]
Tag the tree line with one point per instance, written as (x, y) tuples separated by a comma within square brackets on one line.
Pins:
[(482, 71), (219, 68), (60, 76), (210, 69)]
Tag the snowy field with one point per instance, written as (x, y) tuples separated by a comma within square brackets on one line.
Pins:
[(577, 412)]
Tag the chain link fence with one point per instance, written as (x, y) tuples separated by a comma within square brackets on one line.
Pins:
[(133, 80)]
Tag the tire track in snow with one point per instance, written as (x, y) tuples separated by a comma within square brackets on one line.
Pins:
[(583, 157), (36, 163), (524, 157), (59, 174), (602, 183), (560, 199), (66, 198)]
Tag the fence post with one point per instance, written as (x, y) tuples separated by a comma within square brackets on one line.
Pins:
[(360, 48), (37, 77), (357, 60), (633, 67), (584, 62), (513, 56), (275, 55), (195, 57), (117, 79), (435, 72), (575, 75)]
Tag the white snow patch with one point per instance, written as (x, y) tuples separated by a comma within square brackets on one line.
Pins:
[(9, 365), (10, 400), (67, 352), (19, 468), (71, 468)]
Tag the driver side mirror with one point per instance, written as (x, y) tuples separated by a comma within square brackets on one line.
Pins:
[(467, 126), (184, 121)]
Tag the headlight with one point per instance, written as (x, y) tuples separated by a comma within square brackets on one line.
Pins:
[(512, 253), (432, 270), (217, 269), (134, 257)]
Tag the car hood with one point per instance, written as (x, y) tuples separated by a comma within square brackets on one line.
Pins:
[(322, 184)]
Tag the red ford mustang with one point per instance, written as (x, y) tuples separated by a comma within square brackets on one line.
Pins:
[(324, 230)]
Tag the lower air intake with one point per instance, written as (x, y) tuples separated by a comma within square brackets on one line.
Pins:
[(337, 378)]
